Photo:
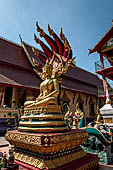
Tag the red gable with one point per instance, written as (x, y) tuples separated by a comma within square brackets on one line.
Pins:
[(103, 41)]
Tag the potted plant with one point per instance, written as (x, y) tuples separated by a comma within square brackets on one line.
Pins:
[(14, 101)]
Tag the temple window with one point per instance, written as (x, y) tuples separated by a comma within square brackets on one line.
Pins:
[(81, 102), (22, 97), (65, 101), (65, 104), (81, 106), (91, 107), (8, 96)]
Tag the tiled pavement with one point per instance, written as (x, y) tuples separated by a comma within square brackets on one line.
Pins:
[(4, 148), (3, 142)]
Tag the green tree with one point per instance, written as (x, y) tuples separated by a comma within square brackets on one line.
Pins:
[(15, 115), (14, 101), (9, 123), (9, 114)]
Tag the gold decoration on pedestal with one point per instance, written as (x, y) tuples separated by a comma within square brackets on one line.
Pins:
[(41, 143), (49, 164), (48, 118), (60, 143)]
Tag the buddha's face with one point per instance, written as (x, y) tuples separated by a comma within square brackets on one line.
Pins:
[(47, 71)]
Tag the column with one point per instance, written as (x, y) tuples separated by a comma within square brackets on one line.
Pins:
[(2, 96), (14, 96)]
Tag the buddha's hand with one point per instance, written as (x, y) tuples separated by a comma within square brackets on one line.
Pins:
[(40, 97)]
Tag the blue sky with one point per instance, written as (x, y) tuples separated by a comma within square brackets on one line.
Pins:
[(84, 22)]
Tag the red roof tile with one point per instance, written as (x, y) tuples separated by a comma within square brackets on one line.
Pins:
[(16, 77), (78, 86), (83, 76), (13, 54)]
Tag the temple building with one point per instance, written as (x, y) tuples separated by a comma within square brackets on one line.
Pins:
[(104, 66), (19, 81)]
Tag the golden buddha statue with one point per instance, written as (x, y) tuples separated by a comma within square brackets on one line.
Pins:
[(98, 121), (45, 113), (49, 89)]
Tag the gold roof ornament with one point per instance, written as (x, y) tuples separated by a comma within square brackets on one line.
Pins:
[(42, 33), (36, 39), (51, 32), (66, 43), (62, 37)]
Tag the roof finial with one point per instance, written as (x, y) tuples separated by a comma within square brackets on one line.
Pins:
[(50, 30), (20, 38), (36, 39), (42, 33)]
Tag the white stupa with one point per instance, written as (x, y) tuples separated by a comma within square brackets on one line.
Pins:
[(107, 111)]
